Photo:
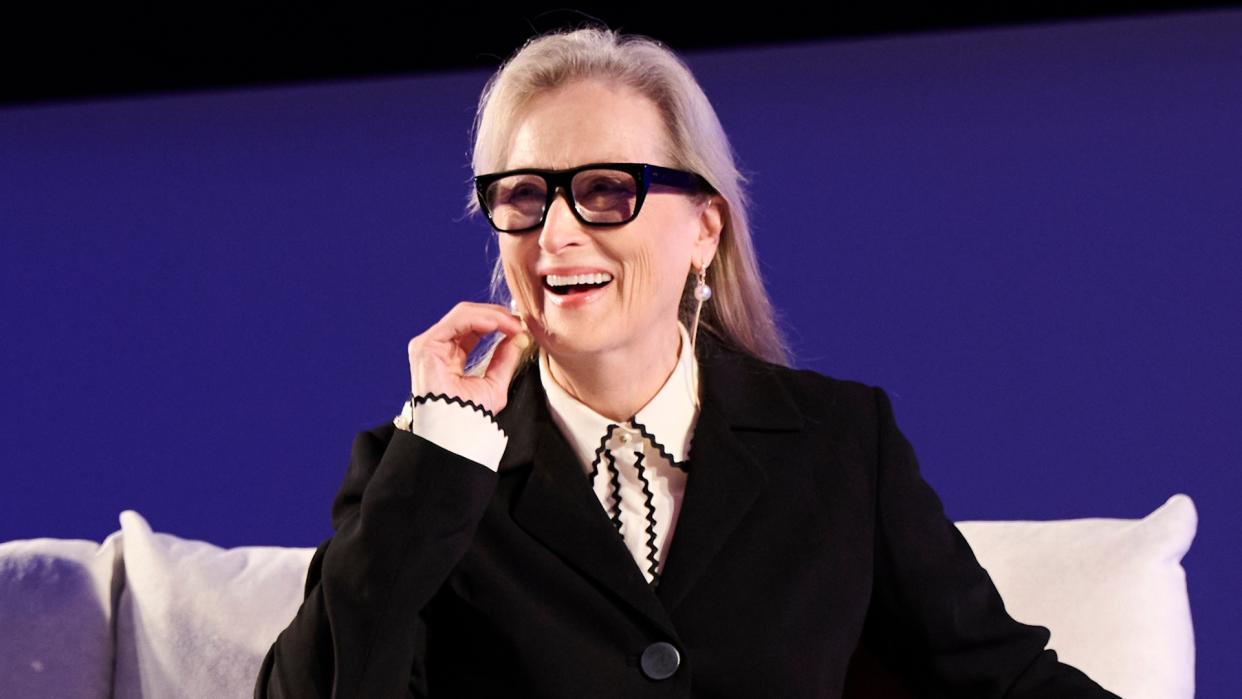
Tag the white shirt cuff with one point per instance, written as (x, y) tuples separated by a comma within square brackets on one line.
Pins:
[(456, 427)]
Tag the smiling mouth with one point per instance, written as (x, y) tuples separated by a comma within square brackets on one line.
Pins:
[(577, 284)]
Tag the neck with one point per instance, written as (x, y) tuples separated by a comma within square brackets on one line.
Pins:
[(618, 383)]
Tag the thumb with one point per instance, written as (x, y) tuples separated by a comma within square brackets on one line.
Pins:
[(505, 360)]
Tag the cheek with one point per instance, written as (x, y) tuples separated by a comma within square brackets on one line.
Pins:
[(523, 287), (649, 280)]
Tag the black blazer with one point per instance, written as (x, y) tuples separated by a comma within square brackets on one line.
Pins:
[(810, 558)]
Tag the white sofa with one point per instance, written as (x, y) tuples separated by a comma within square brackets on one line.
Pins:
[(147, 614)]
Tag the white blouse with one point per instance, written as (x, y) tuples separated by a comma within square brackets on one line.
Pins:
[(637, 469)]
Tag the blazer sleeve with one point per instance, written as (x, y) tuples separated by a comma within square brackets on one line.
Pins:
[(935, 610), (404, 516)]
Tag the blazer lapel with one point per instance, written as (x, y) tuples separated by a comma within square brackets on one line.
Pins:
[(557, 506), (740, 395)]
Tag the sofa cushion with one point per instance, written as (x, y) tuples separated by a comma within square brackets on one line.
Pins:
[(56, 602), (195, 620), (1111, 591)]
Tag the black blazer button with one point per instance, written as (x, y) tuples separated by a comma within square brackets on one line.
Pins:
[(660, 660)]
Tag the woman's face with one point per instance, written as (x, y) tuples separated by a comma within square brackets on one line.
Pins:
[(648, 258)]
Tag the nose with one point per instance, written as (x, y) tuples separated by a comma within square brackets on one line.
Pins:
[(560, 227)]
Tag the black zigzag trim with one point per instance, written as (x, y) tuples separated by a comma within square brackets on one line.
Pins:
[(445, 398), (615, 480), (651, 523), (614, 475), (683, 465), (603, 446)]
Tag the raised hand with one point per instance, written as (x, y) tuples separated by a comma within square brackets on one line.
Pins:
[(438, 356)]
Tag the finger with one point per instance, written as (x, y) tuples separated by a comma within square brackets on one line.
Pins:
[(473, 319), (504, 361), (467, 342), (451, 353), (503, 313), (457, 334)]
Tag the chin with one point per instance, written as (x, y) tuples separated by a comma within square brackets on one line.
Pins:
[(556, 342)]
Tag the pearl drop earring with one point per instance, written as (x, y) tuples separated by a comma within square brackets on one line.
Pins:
[(702, 292)]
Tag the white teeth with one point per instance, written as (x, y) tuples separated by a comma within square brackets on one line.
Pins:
[(571, 279)]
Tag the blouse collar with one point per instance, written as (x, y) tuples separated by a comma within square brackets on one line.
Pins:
[(668, 418)]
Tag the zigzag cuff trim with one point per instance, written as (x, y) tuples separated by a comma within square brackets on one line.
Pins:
[(460, 426), (419, 400)]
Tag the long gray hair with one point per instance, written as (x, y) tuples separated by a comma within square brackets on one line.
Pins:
[(739, 312)]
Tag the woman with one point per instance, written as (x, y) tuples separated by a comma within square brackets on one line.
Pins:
[(631, 495)]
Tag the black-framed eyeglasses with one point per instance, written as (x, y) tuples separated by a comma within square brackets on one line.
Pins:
[(599, 194)]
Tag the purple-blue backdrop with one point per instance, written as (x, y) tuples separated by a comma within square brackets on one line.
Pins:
[(1029, 236)]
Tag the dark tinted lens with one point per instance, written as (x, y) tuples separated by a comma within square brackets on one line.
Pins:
[(605, 196), (516, 201)]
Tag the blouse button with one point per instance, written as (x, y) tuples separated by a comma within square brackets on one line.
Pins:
[(625, 437), (660, 660)]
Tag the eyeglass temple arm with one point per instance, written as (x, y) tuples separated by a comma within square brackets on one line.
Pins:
[(676, 178)]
